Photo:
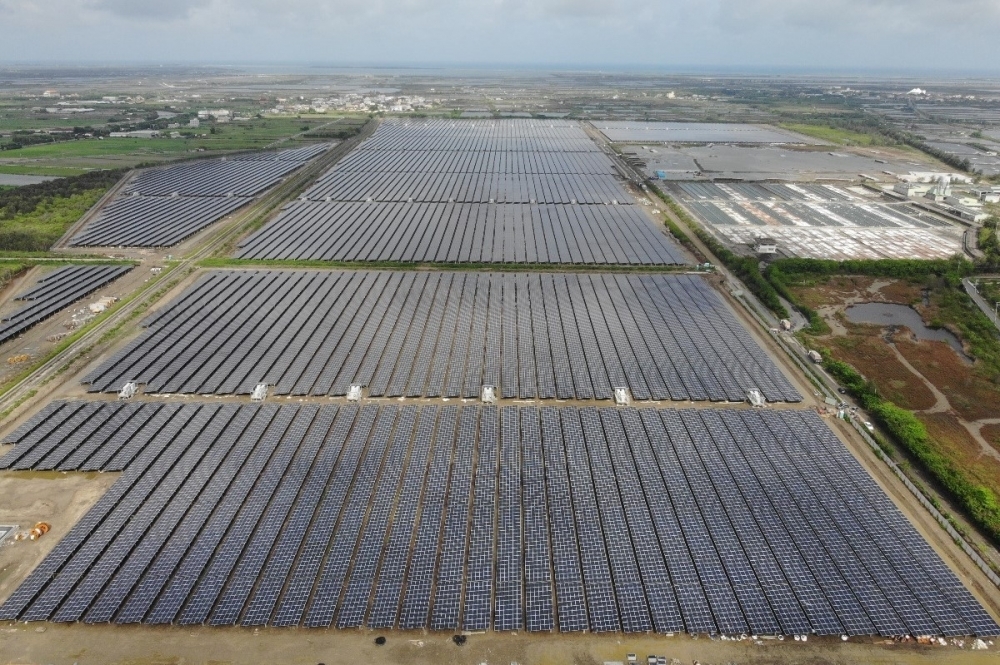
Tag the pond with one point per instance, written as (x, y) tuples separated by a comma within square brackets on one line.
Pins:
[(890, 314)]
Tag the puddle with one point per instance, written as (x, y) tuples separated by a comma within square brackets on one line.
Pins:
[(890, 314)]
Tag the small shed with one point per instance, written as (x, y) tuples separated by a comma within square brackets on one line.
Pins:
[(764, 245)]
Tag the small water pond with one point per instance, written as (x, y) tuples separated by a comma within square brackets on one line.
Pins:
[(891, 314)]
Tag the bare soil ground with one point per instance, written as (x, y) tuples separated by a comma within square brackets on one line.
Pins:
[(84, 645), (26, 498), (20, 352), (992, 434), (843, 290)]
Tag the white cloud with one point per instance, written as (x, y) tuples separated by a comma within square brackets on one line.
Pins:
[(890, 17), (711, 33), (149, 9)]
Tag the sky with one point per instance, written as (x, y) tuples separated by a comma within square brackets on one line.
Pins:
[(827, 35)]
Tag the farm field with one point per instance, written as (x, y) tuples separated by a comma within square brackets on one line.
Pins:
[(81, 155)]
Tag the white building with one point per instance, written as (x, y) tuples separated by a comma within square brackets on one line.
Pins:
[(764, 245), (911, 188)]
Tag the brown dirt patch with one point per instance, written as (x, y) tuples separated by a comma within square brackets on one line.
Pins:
[(163, 645), (843, 289), (992, 435), (873, 358), (972, 396), (903, 293), (41, 496), (956, 442)]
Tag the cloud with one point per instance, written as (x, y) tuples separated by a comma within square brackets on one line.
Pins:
[(889, 17), (149, 9), (710, 33)]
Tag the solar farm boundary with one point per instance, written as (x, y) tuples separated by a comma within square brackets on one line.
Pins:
[(105, 328)]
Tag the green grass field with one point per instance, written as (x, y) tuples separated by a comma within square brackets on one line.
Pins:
[(7, 272), (42, 170), (831, 134), (39, 229), (80, 155)]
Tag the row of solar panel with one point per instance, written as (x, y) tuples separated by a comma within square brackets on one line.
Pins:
[(440, 161), (447, 334), (462, 233), (211, 178), (303, 154), (162, 207), (145, 221), (706, 521), (476, 136), (55, 292), (484, 187), (800, 215), (633, 131), (763, 191)]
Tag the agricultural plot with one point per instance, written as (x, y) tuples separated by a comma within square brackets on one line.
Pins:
[(706, 521), (162, 207), (446, 335), (631, 131), (501, 191), (55, 292), (819, 221)]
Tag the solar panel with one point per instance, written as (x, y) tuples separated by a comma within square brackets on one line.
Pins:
[(55, 292), (161, 207), (414, 334), (483, 517), (433, 192)]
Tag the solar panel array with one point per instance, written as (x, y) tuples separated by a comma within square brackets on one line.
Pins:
[(303, 154), (162, 207), (55, 292), (521, 191), (512, 518), (154, 221), (211, 178), (446, 334), (462, 233), (819, 221), (631, 131), (797, 205)]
